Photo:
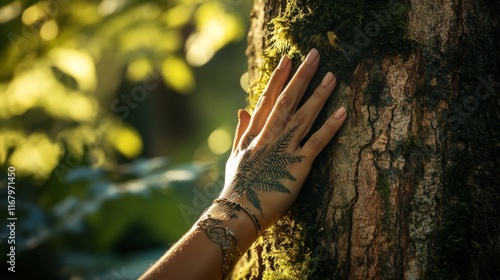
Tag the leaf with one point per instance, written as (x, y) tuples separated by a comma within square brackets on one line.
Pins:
[(254, 199), (264, 170)]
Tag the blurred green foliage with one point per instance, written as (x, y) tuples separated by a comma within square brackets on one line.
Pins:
[(62, 60), (79, 84)]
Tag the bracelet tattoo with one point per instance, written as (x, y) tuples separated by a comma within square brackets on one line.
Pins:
[(226, 239), (238, 207), (260, 172), (264, 170)]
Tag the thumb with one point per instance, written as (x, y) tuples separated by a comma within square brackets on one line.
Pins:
[(243, 121)]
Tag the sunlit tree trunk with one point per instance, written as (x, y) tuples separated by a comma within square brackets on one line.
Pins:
[(410, 187)]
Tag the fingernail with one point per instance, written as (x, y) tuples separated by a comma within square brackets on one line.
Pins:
[(311, 57), (340, 113), (283, 62), (327, 79)]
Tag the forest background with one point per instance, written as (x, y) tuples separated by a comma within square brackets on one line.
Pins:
[(116, 118)]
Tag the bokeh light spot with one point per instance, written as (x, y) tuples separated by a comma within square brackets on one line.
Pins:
[(80, 107), (139, 69), (10, 11), (49, 30), (77, 64), (177, 74), (32, 14), (107, 7), (36, 156), (219, 141), (215, 28), (244, 82), (178, 15), (126, 140)]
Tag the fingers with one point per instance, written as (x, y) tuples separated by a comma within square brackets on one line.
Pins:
[(275, 111), (288, 100), (320, 138), (269, 96), (306, 115), (243, 121)]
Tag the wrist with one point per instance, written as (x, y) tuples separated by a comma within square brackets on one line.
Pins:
[(266, 217), (240, 207), (237, 221)]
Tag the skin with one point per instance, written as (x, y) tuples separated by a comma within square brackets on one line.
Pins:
[(254, 176)]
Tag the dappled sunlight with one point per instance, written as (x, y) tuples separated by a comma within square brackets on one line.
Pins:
[(10, 11), (139, 68), (76, 63), (81, 108), (139, 37), (179, 15), (177, 74), (170, 41), (8, 139), (49, 30), (215, 28), (39, 88), (36, 156), (54, 58), (107, 7), (126, 140), (89, 87), (34, 13), (82, 13), (25, 91), (70, 106), (74, 140)]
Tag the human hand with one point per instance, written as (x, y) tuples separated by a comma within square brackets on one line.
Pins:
[(264, 175), (267, 166)]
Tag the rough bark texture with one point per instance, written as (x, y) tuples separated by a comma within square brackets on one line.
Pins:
[(409, 189)]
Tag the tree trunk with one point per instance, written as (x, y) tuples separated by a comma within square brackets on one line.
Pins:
[(409, 188)]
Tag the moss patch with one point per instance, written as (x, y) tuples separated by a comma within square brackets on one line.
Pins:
[(344, 32)]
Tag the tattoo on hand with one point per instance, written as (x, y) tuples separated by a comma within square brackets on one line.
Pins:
[(226, 211), (264, 170)]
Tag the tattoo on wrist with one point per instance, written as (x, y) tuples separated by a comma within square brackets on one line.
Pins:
[(224, 237), (264, 170), (238, 207)]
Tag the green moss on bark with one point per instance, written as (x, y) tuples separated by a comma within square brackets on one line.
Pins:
[(345, 32)]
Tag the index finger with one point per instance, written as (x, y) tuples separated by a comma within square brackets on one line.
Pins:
[(288, 100), (268, 98)]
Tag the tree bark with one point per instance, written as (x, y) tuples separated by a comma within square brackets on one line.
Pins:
[(409, 188)]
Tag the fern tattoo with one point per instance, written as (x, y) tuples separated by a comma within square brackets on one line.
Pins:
[(264, 170)]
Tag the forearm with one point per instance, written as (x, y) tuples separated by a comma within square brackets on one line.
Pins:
[(197, 255)]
